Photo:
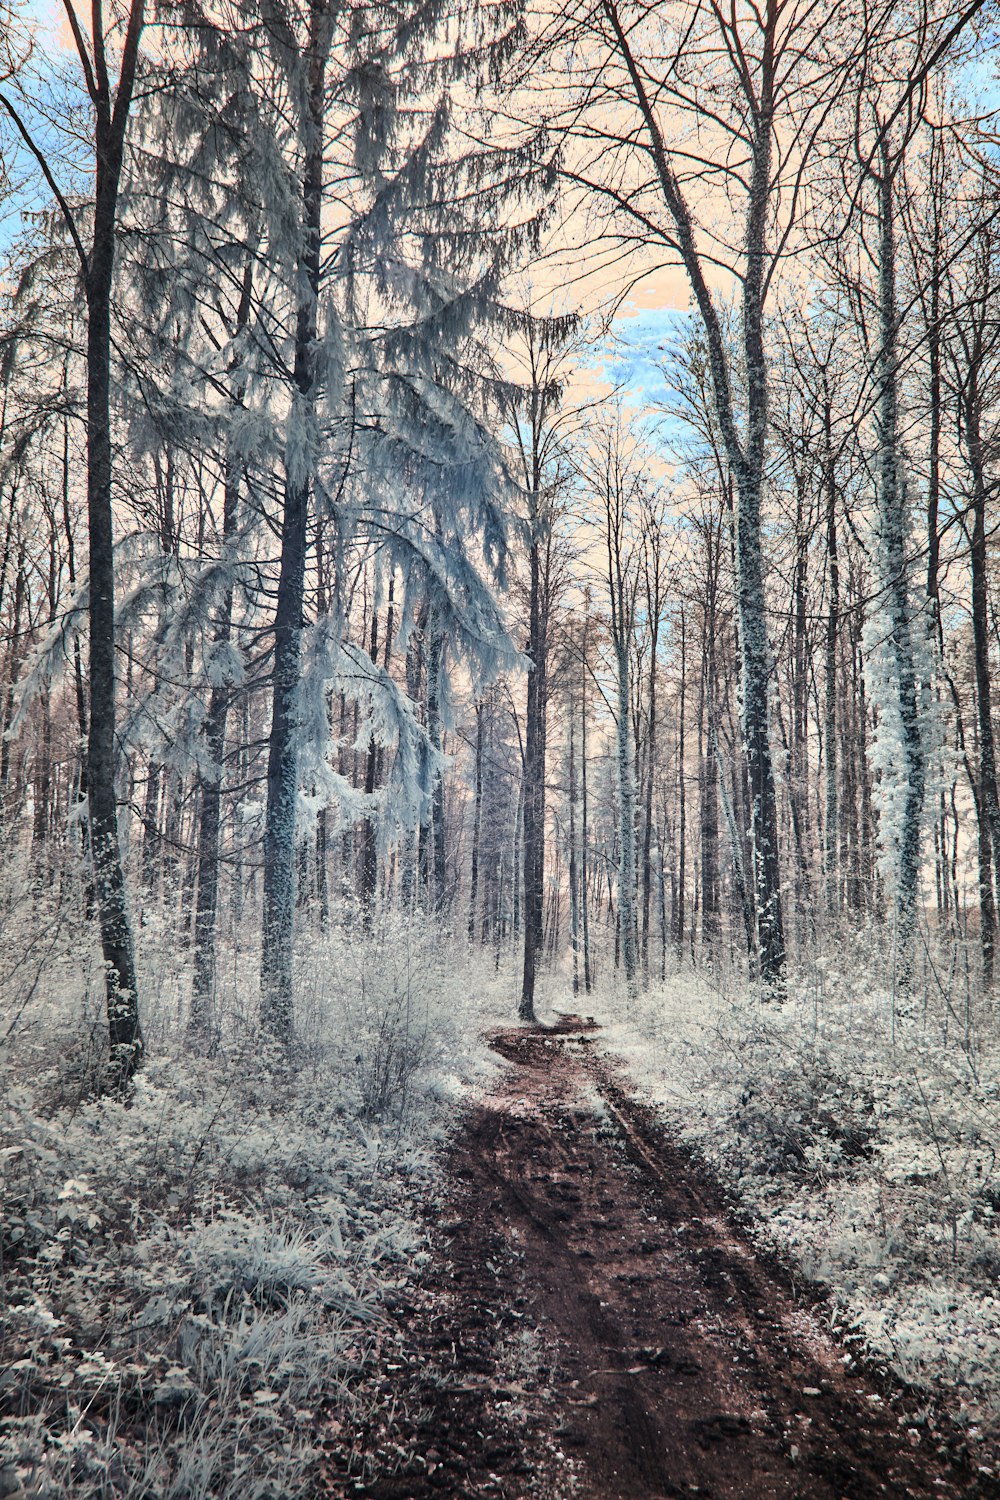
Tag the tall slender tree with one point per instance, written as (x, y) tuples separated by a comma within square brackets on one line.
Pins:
[(111, 98)]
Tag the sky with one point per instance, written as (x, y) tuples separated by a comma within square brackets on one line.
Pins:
[(635, 359), (48, 13), (648, 320)]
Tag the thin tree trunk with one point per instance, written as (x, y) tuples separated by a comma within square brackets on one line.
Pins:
[(588, 975), (988, 803), (534, 782), (369, 831), (15, 653), (681, 798), (647, 831), (895, 583), (124, 1030), (79, 682), (798, 790), (435, 667), (277, 1003), (739, 866), (574, 894), (477, 821), (626, 818), (413, 874), (710, 920), (210, 793), (210, 780), (830, 830)]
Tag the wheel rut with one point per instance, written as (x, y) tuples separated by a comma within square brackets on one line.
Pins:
[(668, 1357)]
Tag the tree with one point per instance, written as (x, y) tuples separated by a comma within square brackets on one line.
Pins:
[(972, 341), (539, 440), (758, 85), (111, 100), (889, 86), (613, 477), (375, 276)]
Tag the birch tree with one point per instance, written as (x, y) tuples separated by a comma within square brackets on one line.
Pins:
[(889, 89)]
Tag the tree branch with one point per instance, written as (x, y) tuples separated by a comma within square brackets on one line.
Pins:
[(39, 156)]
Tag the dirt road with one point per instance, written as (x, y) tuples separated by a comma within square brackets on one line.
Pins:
[(596, 1327)]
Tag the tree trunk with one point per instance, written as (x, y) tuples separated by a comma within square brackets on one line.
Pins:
[(681, 798), (534, 783), (124, 1030), (435, 667), (574, 893), (798, 786), (477, 822), (588, 973), (895, 583), (413, 873), (988, 807), (10, 803), (709, 776), (626, 815), (278, 918), (739, 865), (369, 831), (647, 830), (830, 829), (210, 794)]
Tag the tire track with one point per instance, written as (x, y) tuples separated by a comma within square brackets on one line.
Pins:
[(596, 1327)]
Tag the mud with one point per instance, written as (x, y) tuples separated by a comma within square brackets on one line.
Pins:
[(597, 1326)]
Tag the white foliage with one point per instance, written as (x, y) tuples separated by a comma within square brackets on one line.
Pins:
[(217, 1254), (863, 1144)]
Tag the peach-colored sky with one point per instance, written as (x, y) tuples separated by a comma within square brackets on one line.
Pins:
[(661, 288), (571, 276)]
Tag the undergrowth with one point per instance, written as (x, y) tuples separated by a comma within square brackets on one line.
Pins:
[(861, 1132), (195, 1281)]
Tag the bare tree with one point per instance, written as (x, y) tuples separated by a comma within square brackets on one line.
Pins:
[(111, 100)]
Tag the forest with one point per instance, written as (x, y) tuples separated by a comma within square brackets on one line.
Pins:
[(499, 813)]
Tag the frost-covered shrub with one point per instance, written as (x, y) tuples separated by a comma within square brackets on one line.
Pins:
[(190, 1277), (798, 1114), (862, 1134), (394, 1003), (208, 1249)]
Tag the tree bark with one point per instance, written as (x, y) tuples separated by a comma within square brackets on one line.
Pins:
[(278, 918), (477, 823), (988, 803), (124, 1029), (210, 781), (588, 973), (626, 815), (653, 611), (895, 581), (435, 667), (831, 810), (533, 837), (681, 798), (369, 831)]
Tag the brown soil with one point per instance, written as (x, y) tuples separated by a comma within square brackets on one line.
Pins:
[(596, 1326)]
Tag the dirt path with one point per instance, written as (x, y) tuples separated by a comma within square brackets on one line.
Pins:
[(597, 1328)]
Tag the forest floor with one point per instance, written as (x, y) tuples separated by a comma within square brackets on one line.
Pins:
[(596, 1324)]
